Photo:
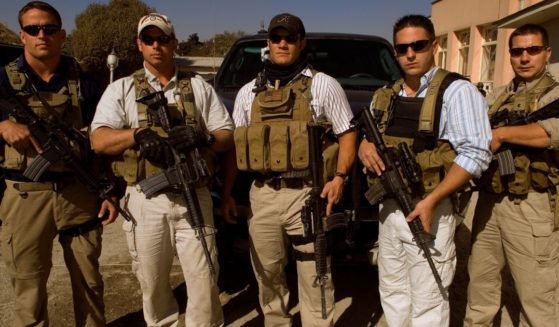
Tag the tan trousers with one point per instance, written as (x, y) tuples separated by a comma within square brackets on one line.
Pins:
[(522, 236), (161, 231), (276, 214), (32, 219)]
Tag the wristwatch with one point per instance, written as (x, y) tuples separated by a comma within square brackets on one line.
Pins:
[(342, 175)]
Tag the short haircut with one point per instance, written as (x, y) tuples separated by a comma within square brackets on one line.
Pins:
[(40, 5), (414, 21), (530, 29)]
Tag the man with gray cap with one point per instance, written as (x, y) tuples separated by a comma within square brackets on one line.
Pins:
[(144, 147), (285, 97)]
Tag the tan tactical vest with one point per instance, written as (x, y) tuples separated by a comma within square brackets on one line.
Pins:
[(65, 104), (536, 169), (435, 159), (276, 141), (134, 169)]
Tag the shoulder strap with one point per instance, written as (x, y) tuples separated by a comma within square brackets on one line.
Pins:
[(383, 100), (429, 118), (17, 79)]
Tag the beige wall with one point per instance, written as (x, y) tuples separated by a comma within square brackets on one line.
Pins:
[(452, 16)]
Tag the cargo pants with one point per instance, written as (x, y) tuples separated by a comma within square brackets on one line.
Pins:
[(33, 214)]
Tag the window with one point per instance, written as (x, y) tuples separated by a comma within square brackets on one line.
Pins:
[(464, 41), (442, 51), (489, 49)]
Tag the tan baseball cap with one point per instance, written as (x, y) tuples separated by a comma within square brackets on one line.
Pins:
[(157, 20)]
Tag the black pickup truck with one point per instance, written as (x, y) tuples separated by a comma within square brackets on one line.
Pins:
[(360, 63)]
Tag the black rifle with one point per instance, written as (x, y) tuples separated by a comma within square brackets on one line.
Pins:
[(392, 185), (313, 214), (505, 117), (54, 138), (183, 173)]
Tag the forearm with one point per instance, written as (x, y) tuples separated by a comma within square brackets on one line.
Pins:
[(223, 140), (346, 155), (531, 135), (454, 179), (108, 141)]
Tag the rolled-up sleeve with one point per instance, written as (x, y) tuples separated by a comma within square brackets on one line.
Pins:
[(551, 127), (465, 124)]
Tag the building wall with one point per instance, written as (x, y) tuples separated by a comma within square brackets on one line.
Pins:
[(453, 16)]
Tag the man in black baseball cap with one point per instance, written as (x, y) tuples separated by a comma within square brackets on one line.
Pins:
[(279, 101), (291, 23)]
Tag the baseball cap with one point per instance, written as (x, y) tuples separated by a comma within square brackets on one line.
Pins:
[(157, 20), (291, 23)]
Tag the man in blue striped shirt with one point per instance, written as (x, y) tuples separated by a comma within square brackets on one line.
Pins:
[(451, 148)]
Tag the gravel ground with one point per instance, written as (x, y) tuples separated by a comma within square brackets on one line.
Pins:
[(357, 299)]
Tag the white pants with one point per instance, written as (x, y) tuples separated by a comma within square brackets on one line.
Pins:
[(409, 293), (161, 230)]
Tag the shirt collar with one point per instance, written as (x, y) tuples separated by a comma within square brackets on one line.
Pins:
[(154, 81), (423, 82)]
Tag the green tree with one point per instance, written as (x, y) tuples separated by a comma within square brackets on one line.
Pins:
[(7, 35), (103, 27), (186, 47), (218, 45)]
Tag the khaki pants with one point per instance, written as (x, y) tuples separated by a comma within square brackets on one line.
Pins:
[(276, 214), (33, 216), (522, 236), (161, 230)]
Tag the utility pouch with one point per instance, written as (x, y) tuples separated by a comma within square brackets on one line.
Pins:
[(276, 104), (539, 172), (521, 183), (257, 136), (431, 165), (241, 147), (299, 138), (279, 148), (127, 166)]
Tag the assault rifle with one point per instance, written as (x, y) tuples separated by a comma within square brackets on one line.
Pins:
[(517, 118), (392, 183), (55, 138), (183, 173), (313, 214)]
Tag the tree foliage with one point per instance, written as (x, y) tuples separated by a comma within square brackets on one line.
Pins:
[(103, 27), (217, 46), (7, 35)]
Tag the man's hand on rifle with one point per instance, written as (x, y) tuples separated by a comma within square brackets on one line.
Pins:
[(424, 210), (370, 158), (18, 136), (186, 137), (496, 140), (108, 208), (153, 147), (332, 191)]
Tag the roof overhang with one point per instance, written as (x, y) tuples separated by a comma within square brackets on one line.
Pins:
[(539, 13)]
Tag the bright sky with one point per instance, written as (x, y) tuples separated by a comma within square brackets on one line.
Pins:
[(210, 17)]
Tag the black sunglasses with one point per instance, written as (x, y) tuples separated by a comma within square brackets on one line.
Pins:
[(416, 46), (532, 51), (288, 38), (161, 39), (48, 29)]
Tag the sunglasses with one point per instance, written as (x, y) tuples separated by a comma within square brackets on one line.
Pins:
[(149, 40), (532, 51), (48, 29), (288, 38), (416, 46)]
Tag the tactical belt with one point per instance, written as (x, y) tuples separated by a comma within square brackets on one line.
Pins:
[(25, 187), (279, 182)]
